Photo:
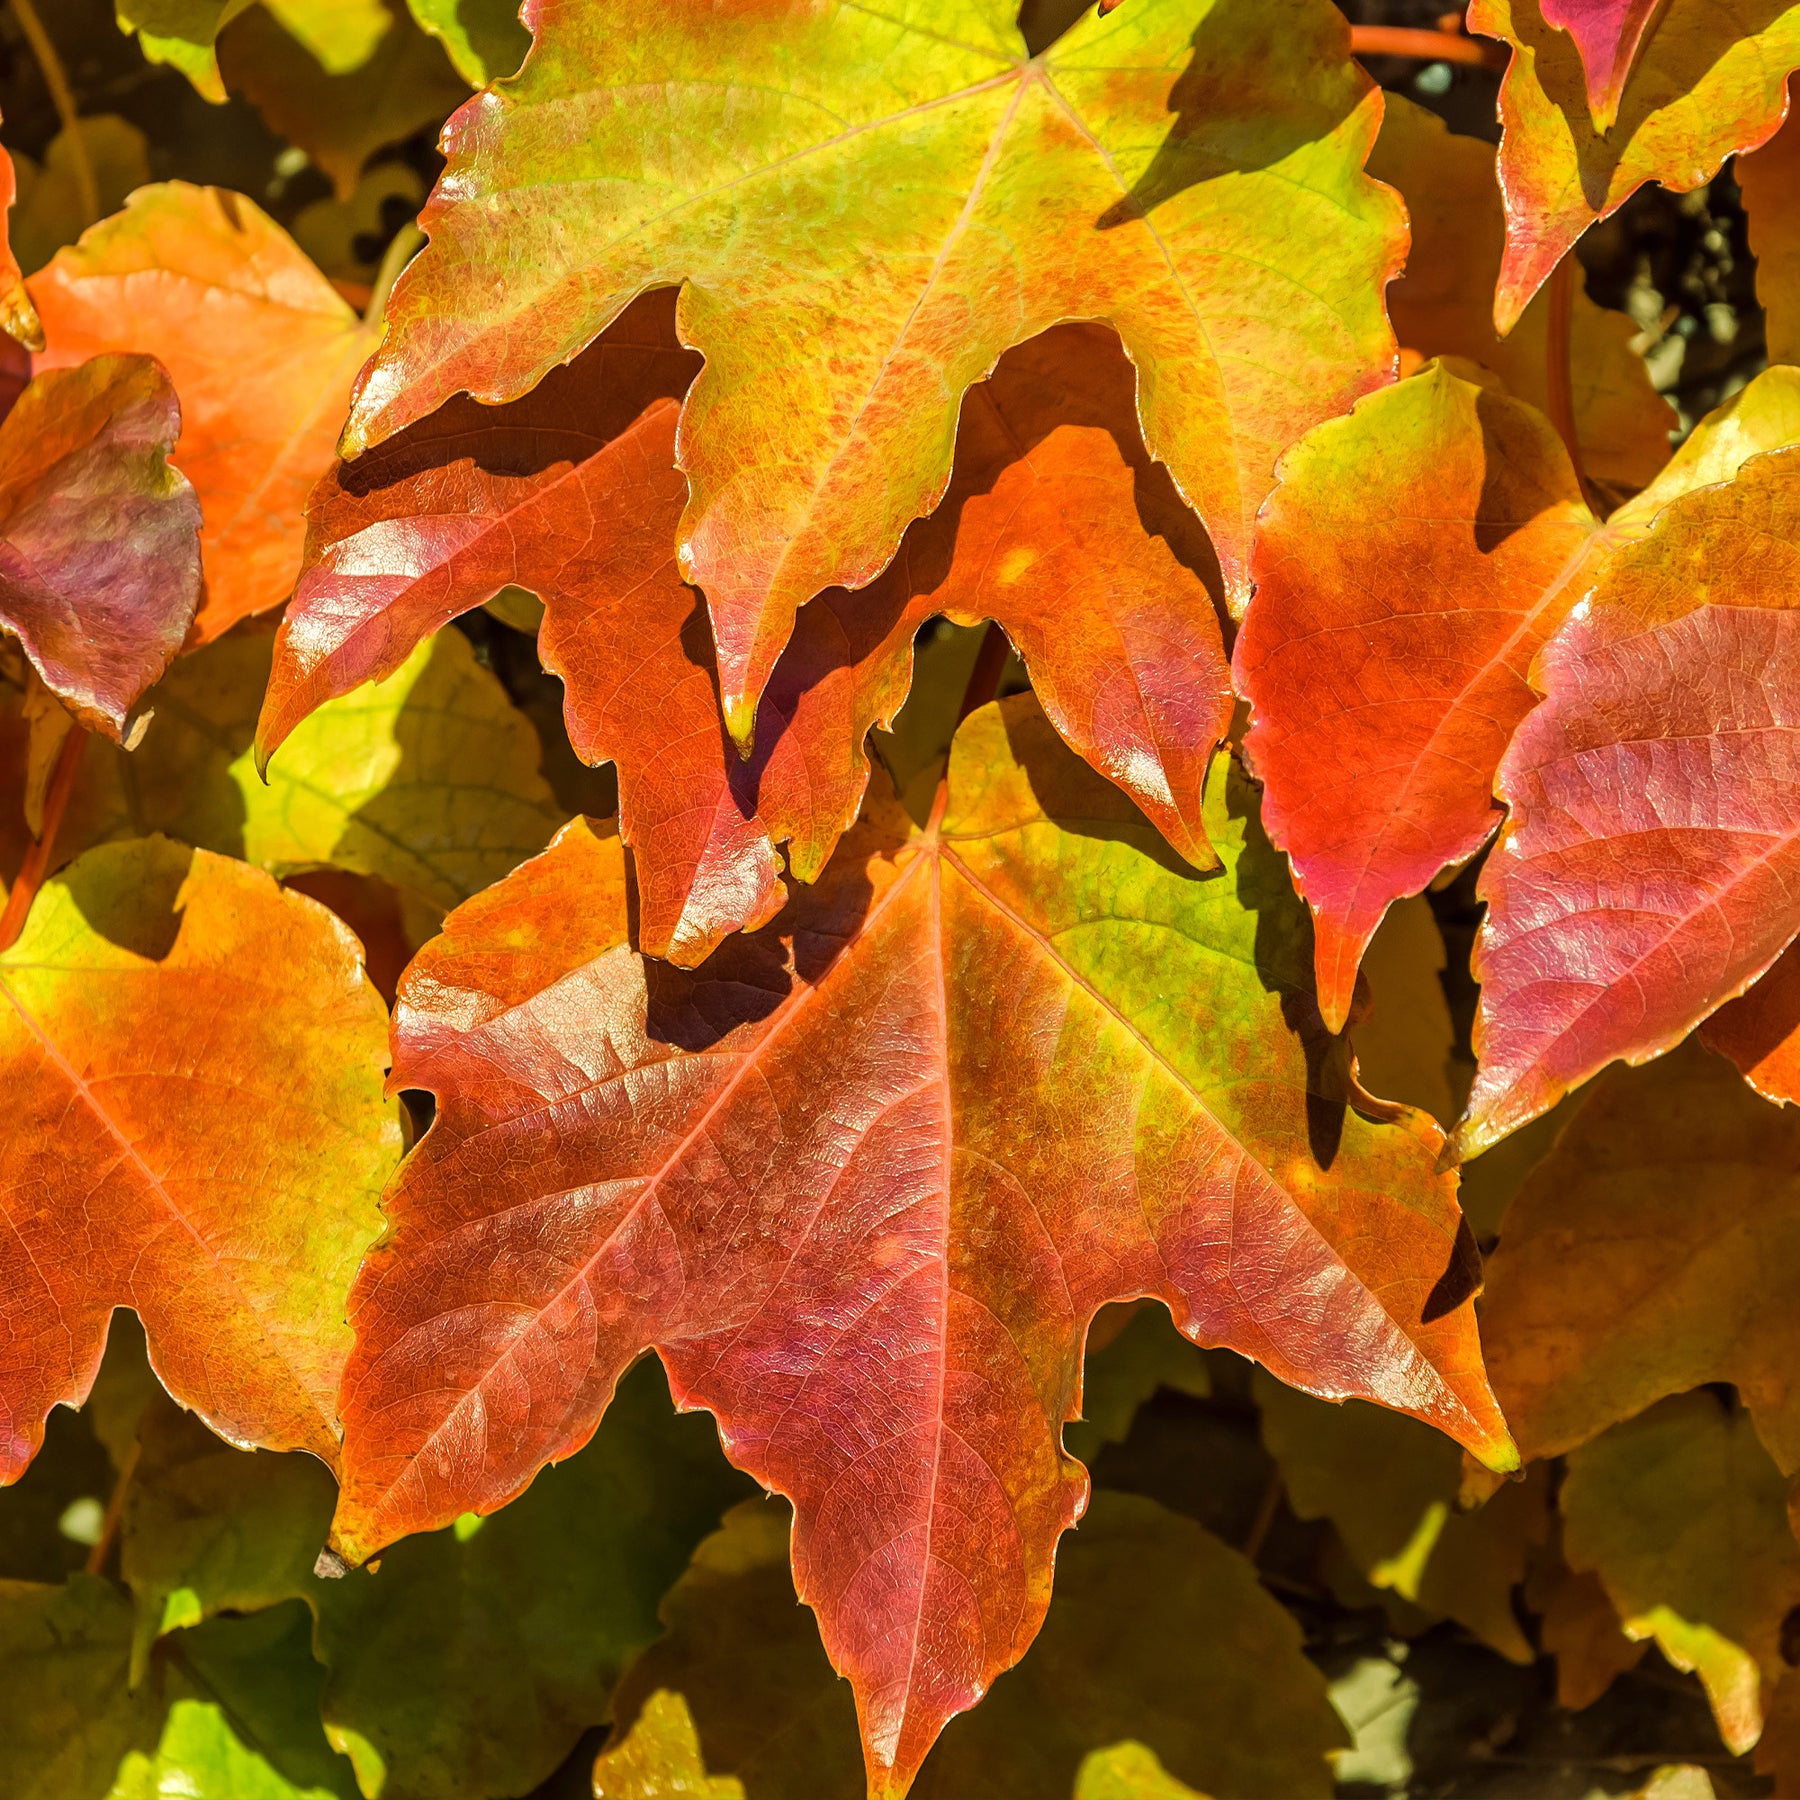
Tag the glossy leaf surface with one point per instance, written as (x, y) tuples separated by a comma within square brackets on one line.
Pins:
[(1647, 873), (834, 1179), (262, 351), (193, 1064), (1649, 1253), (1056, 525), (1159, 1634), (866, 211), (1700, 91)]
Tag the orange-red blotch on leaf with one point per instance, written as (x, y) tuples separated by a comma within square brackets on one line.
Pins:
[(864, 1178), (194, 1128), (262, 351), (1651, 866), (99, 536), (1410, 563)]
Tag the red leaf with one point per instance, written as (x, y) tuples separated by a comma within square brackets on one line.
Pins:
[(99, 537), (864, 1179), (1650, 867), (1410, 563)]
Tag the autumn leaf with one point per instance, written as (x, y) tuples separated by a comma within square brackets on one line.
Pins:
[(1442, 303), (1160, 1635), (866, 213), (233, 1715), (1056, 525), (659, 1758), (1640, 1259), (1607, 33), (1769, 179), (206, 1059), (866, 1100), (52, 208), (483, 38), (340, 116), (1406, 1046), (1645, 875), (262, 351), (473, 1659), (1696, 95), (1391, 1486), (1760, 1031), (17, 317), (99, 544), (1684, 1518), (1412, 560), (1382, 701), (340, 35)]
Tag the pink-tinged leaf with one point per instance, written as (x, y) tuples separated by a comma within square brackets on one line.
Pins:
[(1057, 524), (867, 211), (1607, 33), (1411, 562), (99, 536), (864, 1178), (1651, 867)]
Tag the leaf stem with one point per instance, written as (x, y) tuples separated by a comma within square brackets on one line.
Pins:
[(404, 247), (1265, 1515), (115, 1511), (1426, 46), (62, 97), (1558, 357), (37, 859)]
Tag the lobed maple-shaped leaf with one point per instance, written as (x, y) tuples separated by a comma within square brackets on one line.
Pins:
[(1648, 872), (1056, 524), (1700, 90), (1769, 179), (1160, 1633), (99, 536), (1649, 1253), (1442, 303), (1684, 1518), (1760, 1031), (1413, 561), (866, 210), (262, 351), (863, 1180), (195, 1128)]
